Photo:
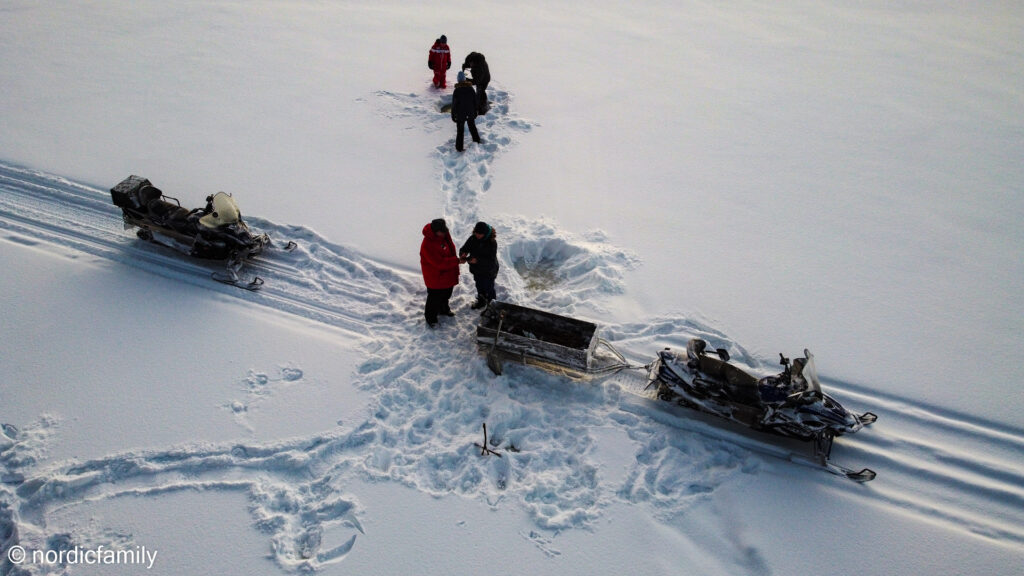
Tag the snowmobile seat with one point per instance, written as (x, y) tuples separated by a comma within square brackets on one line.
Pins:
[(166, 210), (149, 193), (740, 386), (169, 214)]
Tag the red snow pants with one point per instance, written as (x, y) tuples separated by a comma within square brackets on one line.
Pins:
[(440, 77)]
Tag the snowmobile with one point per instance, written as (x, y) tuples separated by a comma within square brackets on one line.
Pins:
[(790, 403), (213, 232)]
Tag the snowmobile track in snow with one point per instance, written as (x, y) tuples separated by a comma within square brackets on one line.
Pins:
[(430, 397), (63, 213), (956, 469)]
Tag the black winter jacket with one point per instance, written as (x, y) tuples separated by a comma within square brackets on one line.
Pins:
[(477, 65), (486, 253), (463, 102)]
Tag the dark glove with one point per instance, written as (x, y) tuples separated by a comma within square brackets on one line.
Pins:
[(449, 66), (430, 64)]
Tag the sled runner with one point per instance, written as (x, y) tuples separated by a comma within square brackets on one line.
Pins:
[(214, 232)]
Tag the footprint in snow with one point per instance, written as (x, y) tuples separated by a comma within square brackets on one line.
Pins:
[(541, 542), (291, 374)]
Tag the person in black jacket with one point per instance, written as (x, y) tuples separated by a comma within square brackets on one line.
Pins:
[(481, 251), (477, 65), (464, 111)]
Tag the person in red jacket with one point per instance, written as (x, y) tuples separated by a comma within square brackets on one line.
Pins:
[(440, 264), (440, 60)]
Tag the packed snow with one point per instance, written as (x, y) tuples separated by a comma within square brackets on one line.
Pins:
[(766, 177)]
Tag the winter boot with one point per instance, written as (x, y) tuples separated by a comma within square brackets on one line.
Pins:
[(481, 302)]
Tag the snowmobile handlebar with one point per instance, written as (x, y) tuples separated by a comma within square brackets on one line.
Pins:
[(165, 197), (699, 346), (722, 353)]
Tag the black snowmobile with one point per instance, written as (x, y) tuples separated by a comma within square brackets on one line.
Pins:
[(790, 403), (213, 232)]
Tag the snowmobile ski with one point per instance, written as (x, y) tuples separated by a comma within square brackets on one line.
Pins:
[(859, 476), (233, 280), (289, 246)]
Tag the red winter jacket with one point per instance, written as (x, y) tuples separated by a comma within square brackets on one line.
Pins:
[(439, 260), (440, 57)]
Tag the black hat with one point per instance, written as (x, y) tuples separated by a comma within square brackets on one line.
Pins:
[(438, 225), (443, 39), (481, 228)]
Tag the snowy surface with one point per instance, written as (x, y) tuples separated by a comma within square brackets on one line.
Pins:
[(845, 178)]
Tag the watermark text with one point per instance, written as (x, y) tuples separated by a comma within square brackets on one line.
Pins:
[(101, 555)]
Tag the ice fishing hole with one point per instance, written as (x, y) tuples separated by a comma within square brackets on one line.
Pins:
[(541, 264)]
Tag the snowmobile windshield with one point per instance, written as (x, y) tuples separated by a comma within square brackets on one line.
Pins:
[(810, 374), (225, 211)]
